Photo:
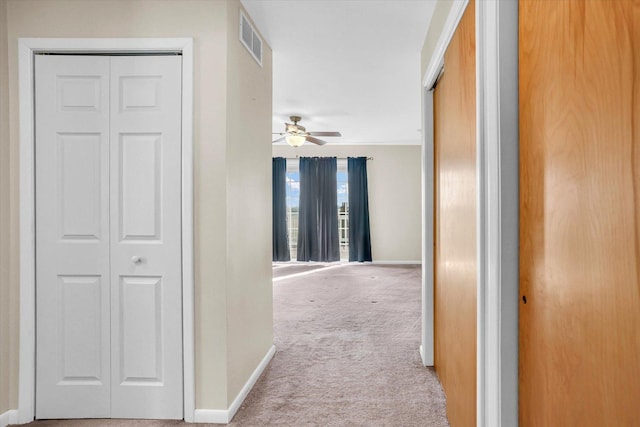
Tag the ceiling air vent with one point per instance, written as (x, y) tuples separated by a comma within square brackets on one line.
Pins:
[(250, 39)]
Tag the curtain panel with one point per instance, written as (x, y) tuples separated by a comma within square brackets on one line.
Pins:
[(318, 214), (279, 192), (359, 231)]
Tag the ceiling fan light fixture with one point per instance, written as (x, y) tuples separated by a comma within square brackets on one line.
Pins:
[(295, 135), (295, 140)]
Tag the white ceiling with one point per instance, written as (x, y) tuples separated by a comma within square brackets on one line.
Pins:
[(347, 65)]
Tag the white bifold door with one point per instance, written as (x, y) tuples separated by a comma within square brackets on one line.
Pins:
[(108, 237)]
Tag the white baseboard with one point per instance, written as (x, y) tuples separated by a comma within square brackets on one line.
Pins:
[(212, 416), (222, 416), (424, 363), (9, 417), (251, 382), (398, 262)]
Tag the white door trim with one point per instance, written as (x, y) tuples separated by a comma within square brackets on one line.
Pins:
[(437, 58), (427, 347), (498, 212), (27, 48), (431, 74)]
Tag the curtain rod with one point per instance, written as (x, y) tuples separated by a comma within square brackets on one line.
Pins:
[(341, 158)]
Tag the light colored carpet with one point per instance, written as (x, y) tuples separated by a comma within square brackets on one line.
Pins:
[(347, 344), (347, 355), (281, 270)]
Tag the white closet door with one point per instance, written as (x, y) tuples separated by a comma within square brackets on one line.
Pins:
[(72, 237), (146, 352), (108, 237)]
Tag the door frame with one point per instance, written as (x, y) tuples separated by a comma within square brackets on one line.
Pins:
[(497, 160), (27, 48), (497, 130)]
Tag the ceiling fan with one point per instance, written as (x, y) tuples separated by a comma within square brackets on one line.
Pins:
[(295, 135)]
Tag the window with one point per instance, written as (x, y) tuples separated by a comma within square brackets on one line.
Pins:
[(293, 203), (343, 209)]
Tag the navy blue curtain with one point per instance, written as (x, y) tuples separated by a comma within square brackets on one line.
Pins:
[(359, 232), (279, 192), (318, 214)]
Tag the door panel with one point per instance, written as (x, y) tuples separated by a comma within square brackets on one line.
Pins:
[(72, 237), (108, 226), (579, 213), (146, 258), (140, 183), (455, 224), (140, 332), (80, 178), (81, 329)]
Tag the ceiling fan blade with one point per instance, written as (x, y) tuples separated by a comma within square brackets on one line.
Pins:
[(279, 140), (316, 140), (325, 133)]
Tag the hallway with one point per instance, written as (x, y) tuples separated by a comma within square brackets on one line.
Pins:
[(347, 343)]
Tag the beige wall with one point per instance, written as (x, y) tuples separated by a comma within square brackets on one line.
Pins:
[(394, 178), (440, 13), (218, 246), (249, 286), (7, 312)]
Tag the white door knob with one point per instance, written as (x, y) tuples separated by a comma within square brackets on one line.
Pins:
[(136, 260)]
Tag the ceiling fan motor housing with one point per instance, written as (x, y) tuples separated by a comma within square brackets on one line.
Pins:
[(294, 128)]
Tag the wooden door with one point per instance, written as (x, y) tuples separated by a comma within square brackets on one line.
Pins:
[(579, 213), (455, 224), (108, 227)]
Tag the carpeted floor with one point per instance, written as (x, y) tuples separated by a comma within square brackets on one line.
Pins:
[(347, 355), (281, 270), (347, 344)]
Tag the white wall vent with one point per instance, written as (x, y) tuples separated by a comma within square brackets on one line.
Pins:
[(250, 39)]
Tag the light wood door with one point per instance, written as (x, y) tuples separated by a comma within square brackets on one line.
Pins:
[(108, 227), (455, 224), (579, 213)]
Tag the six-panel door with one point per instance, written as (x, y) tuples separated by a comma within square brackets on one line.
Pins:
[(108, 254)]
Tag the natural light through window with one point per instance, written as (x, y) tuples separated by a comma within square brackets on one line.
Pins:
[(343, 214), (293, 204)]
